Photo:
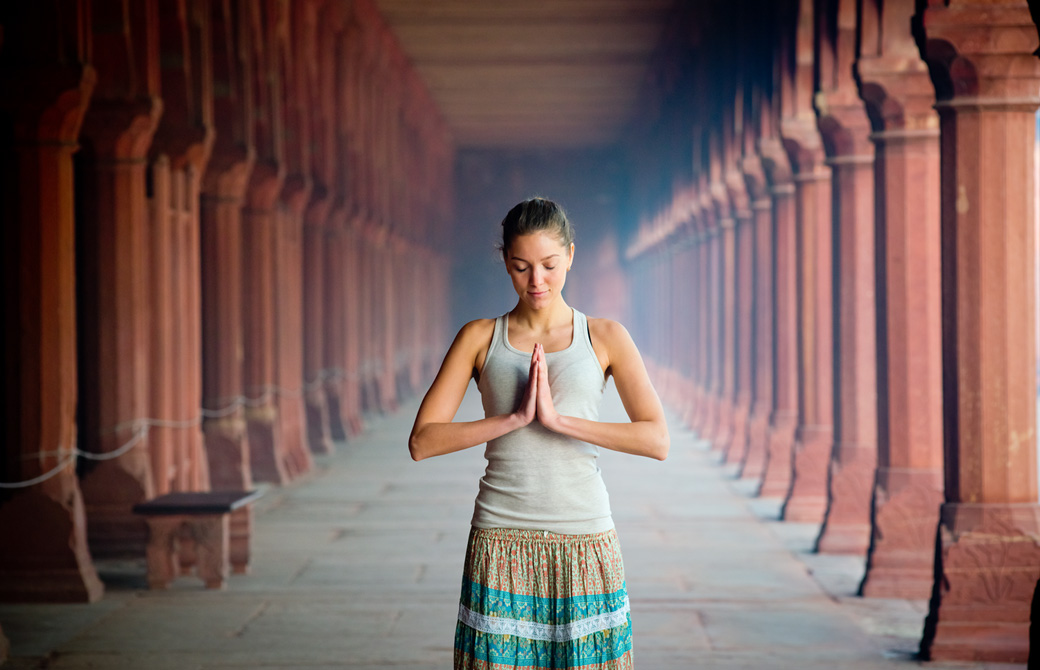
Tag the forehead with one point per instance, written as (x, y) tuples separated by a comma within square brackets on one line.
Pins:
[(536, 246)]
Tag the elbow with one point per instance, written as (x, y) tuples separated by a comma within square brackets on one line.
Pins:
[(415, 448), (662, 444)]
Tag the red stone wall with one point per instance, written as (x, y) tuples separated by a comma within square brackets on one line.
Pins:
[(889, 382), (232, 202)]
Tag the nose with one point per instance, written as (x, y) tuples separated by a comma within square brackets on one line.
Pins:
[(536, 276)]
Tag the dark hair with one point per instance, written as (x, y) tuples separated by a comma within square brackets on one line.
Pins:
[(536, 215)]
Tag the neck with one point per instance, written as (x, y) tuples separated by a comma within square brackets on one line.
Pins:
[(544, 319)]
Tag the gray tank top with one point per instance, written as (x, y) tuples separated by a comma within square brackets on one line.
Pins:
[(537, 479)]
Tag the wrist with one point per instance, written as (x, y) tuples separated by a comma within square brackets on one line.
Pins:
[(555, 422)]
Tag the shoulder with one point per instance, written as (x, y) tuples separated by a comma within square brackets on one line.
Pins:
[(473, 342), (612, 343), (477, 329), (475, 335), (608, 332)]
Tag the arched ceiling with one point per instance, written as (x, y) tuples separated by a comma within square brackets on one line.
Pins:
[(532, 74)]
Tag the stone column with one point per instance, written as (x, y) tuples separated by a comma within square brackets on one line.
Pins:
[(846, 128), (743, 374), (355, 323), (807, 499), (288, 306), (267, 448), (697, 411), (724, 304), (42, 527), (988, 558), (783, 421), (221, 273), (224, 427), (315, 374), (333, 322), (712, 320), (115, 342), (909, 489), (761, 288), (321, 70)]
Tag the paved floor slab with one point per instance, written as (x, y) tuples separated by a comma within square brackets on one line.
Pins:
[(359, 566)]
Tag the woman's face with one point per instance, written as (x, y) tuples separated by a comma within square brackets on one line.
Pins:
[(538, 265)]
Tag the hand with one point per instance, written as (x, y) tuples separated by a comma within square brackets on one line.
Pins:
[(546, 411), (528, 403)]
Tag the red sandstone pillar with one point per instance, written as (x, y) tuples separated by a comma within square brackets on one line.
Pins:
[(743, 294), (221, 273), (776, 479), (846, 129), (179, 156), (702, 412), (267, 448), (42, 527), (315, 374), (988, 555), (224, 427), (321, 72), (909, 488), (807, 499), (114, 275), (289, 326), (724, 297), (161, 324), (761, 289), (356, 321), (333, 325)]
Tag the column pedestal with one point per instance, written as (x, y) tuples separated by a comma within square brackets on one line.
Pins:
[(989, 563), (807, 500), (901, 563)]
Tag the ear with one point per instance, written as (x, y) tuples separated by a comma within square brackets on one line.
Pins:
[(570, 257)]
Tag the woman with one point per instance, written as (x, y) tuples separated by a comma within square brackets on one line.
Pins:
[(543, 585)]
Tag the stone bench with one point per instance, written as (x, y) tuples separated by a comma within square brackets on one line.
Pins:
[(194, 530)]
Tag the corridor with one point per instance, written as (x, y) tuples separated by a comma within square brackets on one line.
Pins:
[(358, 566)]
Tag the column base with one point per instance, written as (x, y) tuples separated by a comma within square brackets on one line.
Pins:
[(738, 445), (318, 433), (227, 451), (46, 559), (776, 481), (807, 501), (846, 528), (338, 424), (987, 567), (901, 561), (110, 490), (266, 453), (758, 446), (710, 418), (691, 408)]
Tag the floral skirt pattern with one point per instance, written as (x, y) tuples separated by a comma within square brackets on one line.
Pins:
[(534, 599)]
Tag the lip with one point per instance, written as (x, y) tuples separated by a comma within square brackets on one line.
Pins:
[(537, 294)]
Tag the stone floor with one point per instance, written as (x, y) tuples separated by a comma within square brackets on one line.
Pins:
[(358, 566)]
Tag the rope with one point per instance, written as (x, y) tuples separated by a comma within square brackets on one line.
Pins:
[(142, 426)]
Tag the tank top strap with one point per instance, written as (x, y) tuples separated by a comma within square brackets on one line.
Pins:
[(582, 332), (496, 343)]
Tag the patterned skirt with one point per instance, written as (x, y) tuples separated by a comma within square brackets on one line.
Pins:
[(535, 599)]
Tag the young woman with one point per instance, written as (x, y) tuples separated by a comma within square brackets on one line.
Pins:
[(543, 584)]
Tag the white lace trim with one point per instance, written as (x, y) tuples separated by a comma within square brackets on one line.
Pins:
[(544, 631)]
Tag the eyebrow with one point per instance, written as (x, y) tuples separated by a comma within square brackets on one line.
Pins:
[(523, 260)]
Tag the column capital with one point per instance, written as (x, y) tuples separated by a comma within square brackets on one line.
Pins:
[(122, 130), (983, 51), (898, 92)]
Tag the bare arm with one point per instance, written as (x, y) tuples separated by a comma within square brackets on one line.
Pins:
[(434, 432), (646, 434)]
